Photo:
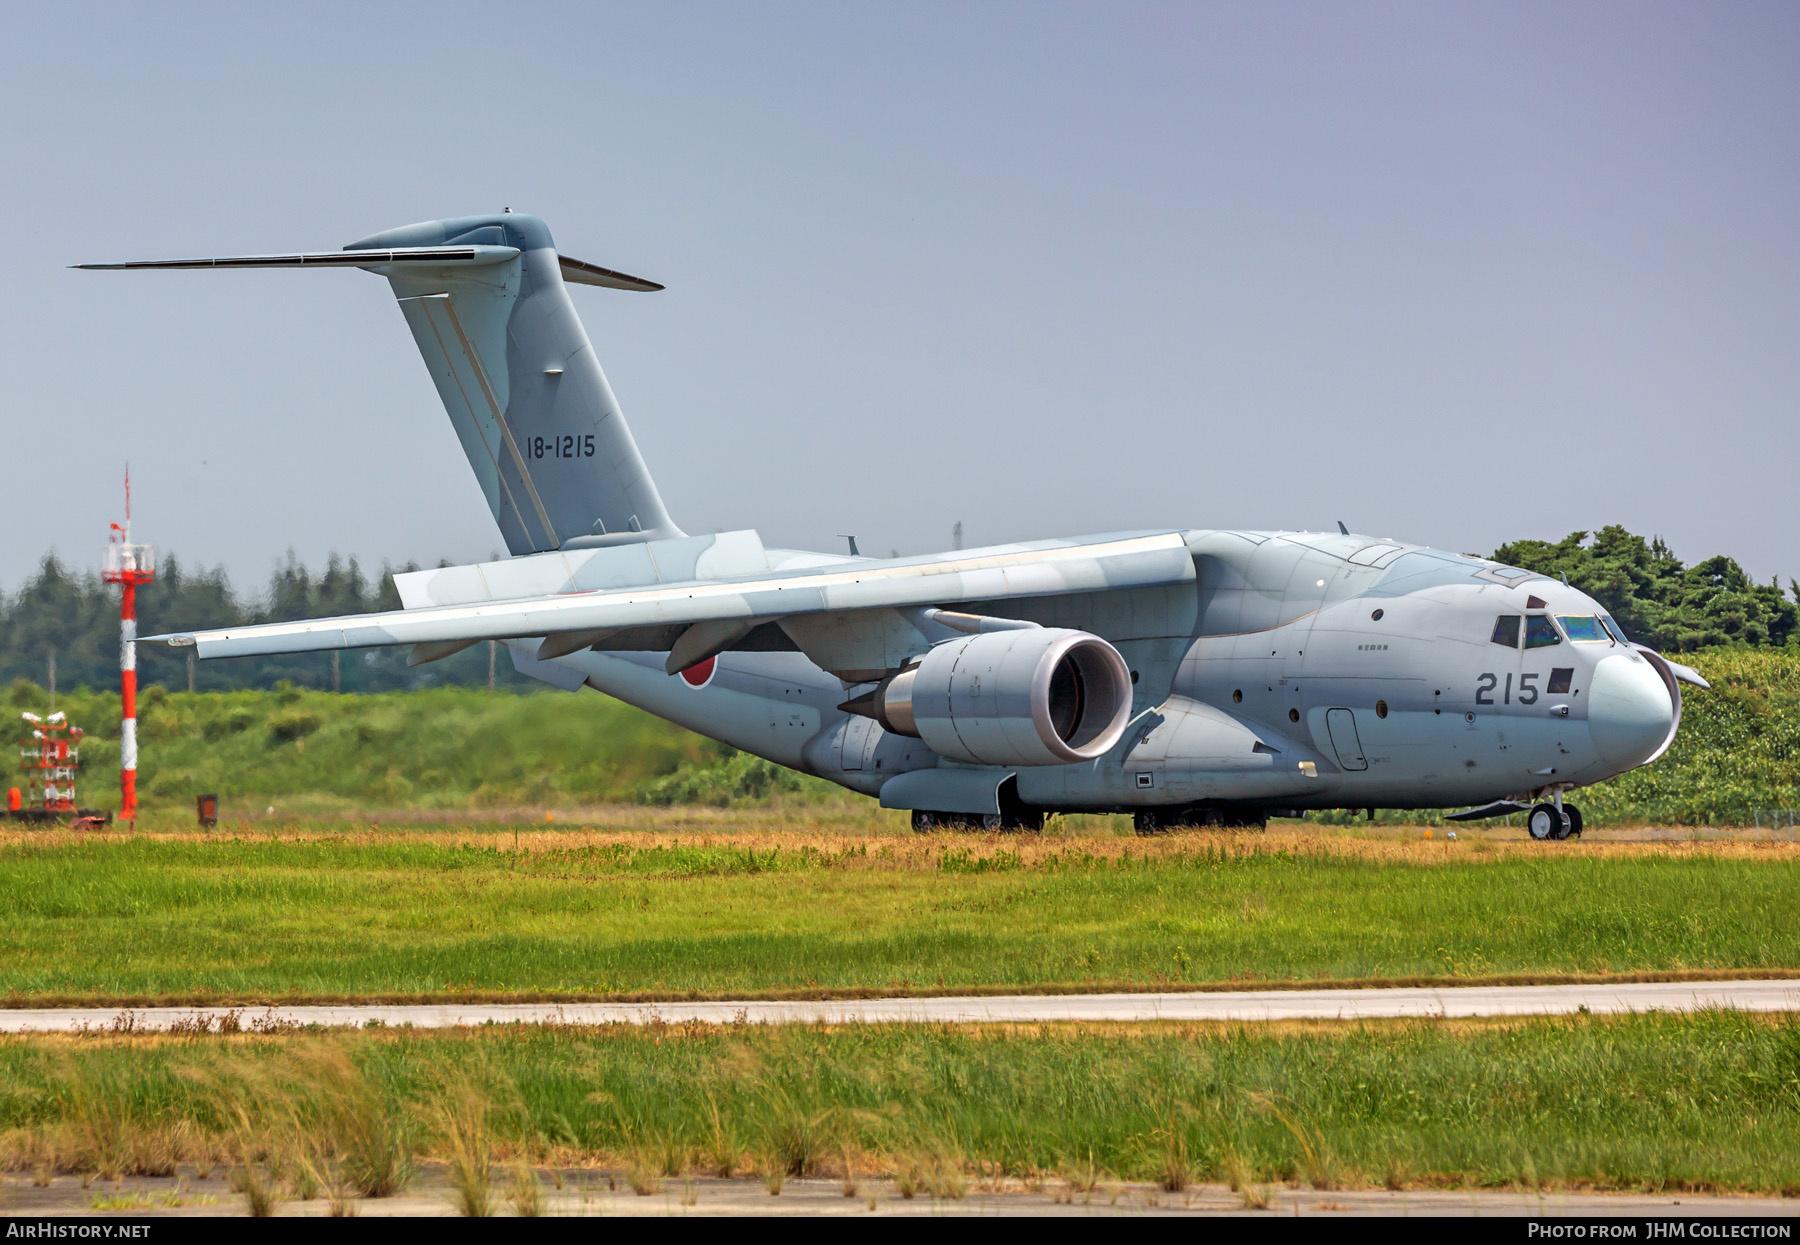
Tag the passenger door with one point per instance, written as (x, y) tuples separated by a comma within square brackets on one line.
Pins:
[(1341, 723)]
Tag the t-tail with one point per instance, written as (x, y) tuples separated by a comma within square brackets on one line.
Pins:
[(486, 299)]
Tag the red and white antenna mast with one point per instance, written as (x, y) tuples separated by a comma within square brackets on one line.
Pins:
[(129, 566)]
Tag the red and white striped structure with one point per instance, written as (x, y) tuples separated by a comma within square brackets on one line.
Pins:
[(129, 566)]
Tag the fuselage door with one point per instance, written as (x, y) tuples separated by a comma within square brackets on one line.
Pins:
[(1342, 725)]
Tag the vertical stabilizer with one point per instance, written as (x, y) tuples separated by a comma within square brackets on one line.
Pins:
[(524, 390)]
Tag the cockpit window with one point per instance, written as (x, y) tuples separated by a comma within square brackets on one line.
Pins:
[(1540, 632), (1583, 628), (1506, 630), (1618, 632)]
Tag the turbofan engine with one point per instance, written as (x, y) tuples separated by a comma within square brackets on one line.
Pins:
[(1037, 696)]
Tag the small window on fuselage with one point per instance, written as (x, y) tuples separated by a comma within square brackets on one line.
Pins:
[(1506, 630), (1540, 632)]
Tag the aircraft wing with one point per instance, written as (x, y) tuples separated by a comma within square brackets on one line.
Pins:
[(1041, 568)]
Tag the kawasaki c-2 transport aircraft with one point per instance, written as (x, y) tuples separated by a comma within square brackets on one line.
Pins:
[(1190, 677)]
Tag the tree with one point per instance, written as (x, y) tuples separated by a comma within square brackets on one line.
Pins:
[(1655, 598)]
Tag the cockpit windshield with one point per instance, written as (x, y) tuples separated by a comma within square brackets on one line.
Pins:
[(1540, 632), (1618, 632), (1583, 628)]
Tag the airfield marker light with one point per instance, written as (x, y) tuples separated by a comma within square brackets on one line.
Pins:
[(130, 566)]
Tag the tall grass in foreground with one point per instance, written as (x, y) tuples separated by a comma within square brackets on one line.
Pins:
[(1710, 1102)]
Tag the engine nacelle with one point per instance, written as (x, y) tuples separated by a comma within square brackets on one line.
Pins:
[(1035, 696)]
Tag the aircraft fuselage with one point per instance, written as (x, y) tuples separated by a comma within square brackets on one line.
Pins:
[(1298, 670)]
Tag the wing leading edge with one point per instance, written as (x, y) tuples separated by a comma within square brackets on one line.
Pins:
[(1041, 569)]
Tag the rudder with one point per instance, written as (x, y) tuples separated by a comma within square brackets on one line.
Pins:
[(524, 390)]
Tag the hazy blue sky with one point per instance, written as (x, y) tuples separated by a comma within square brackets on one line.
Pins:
[(1452, 273)]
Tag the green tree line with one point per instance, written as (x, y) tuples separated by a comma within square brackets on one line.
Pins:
[(1671, 607), (1658, 600), (76, 616)]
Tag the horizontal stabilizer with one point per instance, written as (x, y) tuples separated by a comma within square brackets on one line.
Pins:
[(486, 300), (434, 255), (583, 273)]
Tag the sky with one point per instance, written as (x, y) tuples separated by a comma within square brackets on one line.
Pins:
[(1456, 274)]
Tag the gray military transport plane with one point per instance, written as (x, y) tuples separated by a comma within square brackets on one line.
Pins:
[(1191, 677)]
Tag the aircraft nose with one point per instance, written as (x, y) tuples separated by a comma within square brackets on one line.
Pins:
[(1630, 712)]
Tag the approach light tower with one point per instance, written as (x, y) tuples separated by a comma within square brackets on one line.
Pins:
[(128, 565)]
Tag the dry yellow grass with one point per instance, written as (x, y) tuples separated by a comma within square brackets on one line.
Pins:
[(889, 843)]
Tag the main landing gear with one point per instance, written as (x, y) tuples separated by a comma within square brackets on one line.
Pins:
[(924, 821), (1149, 821), (1548, 821), (1014, 814)]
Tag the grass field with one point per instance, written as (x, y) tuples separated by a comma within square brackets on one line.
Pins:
[(1708, 1102), (449, 911)]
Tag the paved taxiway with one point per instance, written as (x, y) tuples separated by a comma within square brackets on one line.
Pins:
[(1248, 1006), (594, 1193)]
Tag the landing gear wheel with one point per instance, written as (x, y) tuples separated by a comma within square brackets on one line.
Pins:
[(1545, 822), (1573, 816), (1147, 822), (924, 822)]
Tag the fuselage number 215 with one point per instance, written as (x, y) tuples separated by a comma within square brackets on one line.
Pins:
[(1528, 692)]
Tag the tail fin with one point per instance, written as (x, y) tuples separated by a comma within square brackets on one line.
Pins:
[(485, 300), (524, 390)]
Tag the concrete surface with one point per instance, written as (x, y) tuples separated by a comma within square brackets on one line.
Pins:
[(1782, 995), (585, 1193)]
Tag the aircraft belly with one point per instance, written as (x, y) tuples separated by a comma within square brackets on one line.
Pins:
[(768, 704)]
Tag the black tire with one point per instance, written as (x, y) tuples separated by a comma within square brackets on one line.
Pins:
[(1147, 821), (924, 822), (1574, 816), (1544, 823)]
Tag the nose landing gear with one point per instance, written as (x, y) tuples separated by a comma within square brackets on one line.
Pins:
[(1549, 821)]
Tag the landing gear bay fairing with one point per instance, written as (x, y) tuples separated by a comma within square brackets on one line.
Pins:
[(1189, 677)]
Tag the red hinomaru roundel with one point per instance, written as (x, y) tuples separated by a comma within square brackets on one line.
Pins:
[(700, 673)]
